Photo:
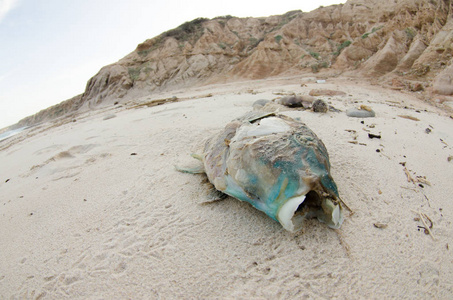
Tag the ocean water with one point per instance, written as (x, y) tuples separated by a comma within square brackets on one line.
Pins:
[(10, 133)]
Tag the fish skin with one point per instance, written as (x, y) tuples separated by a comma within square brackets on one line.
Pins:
[(266, 160)]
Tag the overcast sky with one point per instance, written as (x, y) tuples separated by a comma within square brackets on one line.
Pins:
[(50, 48)]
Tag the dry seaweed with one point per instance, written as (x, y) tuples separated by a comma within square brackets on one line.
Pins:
[(424, 218), (380, 225), (409, 117)]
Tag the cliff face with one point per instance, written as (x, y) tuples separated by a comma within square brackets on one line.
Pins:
[(407, 37), (411, 39)]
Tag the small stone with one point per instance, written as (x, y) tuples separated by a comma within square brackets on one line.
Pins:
[(320, 106), (260, 103), (360, 113)]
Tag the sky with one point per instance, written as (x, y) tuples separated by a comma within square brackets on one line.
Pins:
[(49, 49)]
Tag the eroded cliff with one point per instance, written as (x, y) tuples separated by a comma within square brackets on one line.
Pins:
[(407, 39)]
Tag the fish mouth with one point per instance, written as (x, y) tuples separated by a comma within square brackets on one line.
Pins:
[(296, 209)]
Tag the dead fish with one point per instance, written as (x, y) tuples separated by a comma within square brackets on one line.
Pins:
[(276, 164)]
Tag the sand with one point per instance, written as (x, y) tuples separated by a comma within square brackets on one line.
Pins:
[(92, 208)]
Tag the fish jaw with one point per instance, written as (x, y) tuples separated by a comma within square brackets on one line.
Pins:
[(332, 213), (291, 215), (286, 214)]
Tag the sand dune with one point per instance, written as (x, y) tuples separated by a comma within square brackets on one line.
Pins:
[(93, 209)]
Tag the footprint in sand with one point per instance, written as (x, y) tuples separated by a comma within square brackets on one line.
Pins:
[(67, 162)]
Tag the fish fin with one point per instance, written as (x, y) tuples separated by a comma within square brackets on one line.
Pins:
[(213, 195), (195, 169), (197, 156)]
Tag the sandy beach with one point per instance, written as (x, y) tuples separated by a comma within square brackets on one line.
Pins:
[(91, 206)]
